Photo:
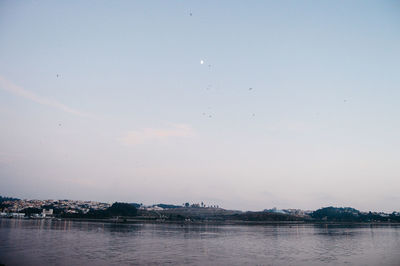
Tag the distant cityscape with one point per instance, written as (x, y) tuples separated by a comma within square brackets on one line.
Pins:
[(195, 212), (15, 207)]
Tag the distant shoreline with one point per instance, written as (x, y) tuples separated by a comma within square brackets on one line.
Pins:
[(229, 222), (120, 212)]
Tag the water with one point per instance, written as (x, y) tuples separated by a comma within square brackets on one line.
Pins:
[(42, 242)]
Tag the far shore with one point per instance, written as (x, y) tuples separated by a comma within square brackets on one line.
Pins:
[(127, 220)]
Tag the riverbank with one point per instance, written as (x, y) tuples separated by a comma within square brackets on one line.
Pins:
[(208, 222)]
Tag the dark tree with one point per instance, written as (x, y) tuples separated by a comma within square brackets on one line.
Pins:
[(122, 209), (337, 214), (2, 199), (29, 211)]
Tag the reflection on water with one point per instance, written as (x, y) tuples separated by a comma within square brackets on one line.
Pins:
[(44, 242)]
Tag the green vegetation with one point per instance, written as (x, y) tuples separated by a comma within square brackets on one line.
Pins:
[(333, 214), (336, 214), (2, 199), (30, 211), (117, 209), (121, 209), (137, 205)]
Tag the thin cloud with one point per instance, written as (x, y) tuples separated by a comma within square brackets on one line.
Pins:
[(147, 135), (19, 91)]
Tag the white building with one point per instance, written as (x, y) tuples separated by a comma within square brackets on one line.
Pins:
[(46, 213)]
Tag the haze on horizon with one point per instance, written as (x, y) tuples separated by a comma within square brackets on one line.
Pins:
[(248, 105)]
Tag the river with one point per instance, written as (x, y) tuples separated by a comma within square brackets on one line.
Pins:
[(46, 242)]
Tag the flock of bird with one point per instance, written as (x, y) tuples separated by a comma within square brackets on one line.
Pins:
[(209, 86)]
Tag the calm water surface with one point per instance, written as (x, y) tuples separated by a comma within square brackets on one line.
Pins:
[(41, 242)]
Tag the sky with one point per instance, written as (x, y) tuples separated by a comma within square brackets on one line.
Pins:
[(248, 105)]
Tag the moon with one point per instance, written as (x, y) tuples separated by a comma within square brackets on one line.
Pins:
[(201, 62)]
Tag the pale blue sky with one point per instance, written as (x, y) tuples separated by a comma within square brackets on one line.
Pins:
[(128, 116)]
